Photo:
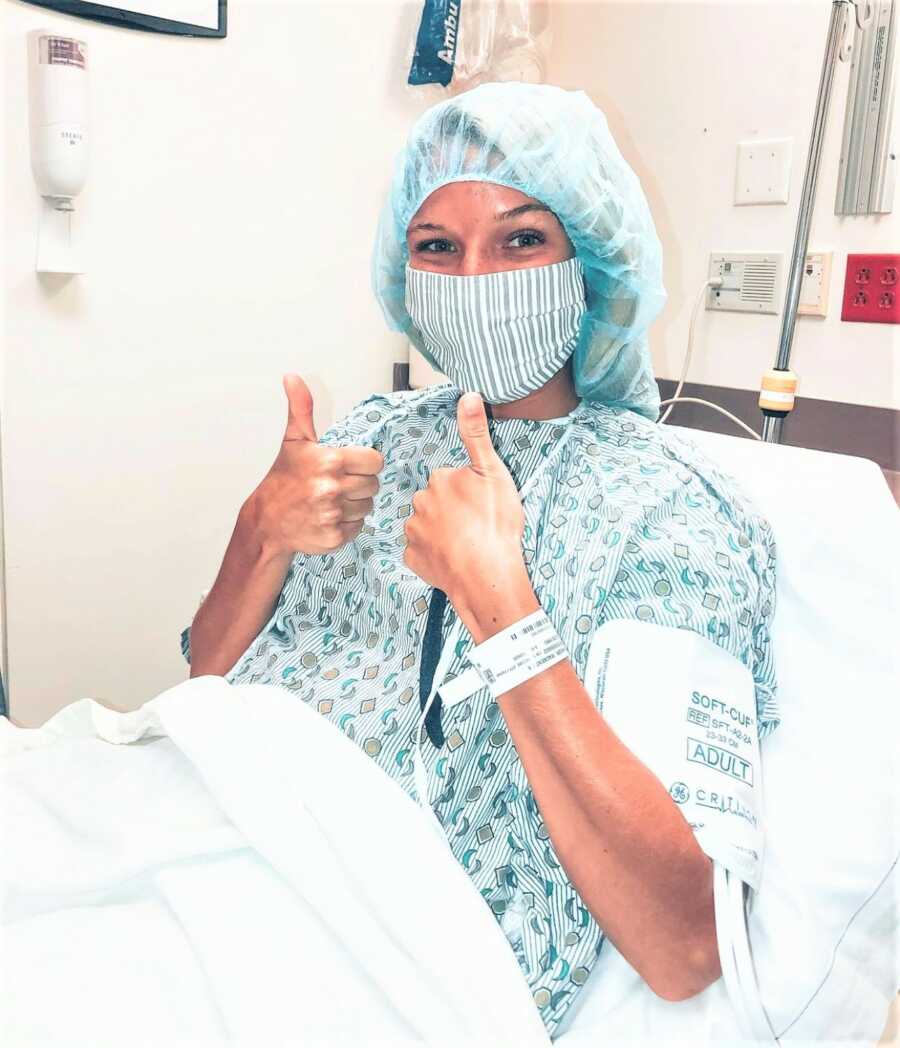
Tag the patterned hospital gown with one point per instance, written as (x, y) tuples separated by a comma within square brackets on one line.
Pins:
[(629, 521)]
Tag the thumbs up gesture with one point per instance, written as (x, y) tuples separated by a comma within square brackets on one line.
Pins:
[(315, 498), (465, 533)]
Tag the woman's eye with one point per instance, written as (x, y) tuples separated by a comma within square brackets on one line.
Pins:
[(441, 246), (426, 246), (534, 238)]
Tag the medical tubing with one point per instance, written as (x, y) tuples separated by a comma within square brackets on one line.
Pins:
[(711, 282), (715, 407), (735, 957), (762, 1026), (726, 951), (449, 648)]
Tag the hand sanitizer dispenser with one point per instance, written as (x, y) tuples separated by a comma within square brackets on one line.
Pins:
[(58, 125)]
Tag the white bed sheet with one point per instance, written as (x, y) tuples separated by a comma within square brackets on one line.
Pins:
[(164, 886), (199, 882)]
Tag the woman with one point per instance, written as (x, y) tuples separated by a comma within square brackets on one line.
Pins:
[(517, 252)]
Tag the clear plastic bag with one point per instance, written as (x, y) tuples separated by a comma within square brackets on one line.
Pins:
[(463, 43)]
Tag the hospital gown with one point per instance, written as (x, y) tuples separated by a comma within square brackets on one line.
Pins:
[(628, 521)]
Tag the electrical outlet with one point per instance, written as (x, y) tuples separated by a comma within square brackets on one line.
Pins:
[(871, 292)]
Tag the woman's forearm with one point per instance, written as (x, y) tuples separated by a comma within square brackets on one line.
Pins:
[(620, 837), (625, 846), (242, 598)]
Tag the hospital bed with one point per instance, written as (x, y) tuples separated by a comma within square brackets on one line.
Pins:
[(179, 876)]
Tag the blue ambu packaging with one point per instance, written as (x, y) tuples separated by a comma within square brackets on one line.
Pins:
[(435, 52)]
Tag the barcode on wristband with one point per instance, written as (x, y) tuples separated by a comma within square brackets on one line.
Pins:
[(511, 657), (525, 630)]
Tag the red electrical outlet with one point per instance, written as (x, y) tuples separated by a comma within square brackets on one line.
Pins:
[(871, 291)]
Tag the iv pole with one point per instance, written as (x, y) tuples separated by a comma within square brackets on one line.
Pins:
[(779, 384)]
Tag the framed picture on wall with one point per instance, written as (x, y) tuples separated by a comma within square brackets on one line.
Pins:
[(182, 17)]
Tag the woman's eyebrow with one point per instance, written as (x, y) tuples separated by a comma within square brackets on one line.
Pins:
[(426, 225), (520, 210), (503, 217)]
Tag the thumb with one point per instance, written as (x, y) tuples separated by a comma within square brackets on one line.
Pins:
[(300, 424), (473, 429)]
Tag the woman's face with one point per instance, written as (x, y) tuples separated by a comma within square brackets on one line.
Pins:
[(467, 228)]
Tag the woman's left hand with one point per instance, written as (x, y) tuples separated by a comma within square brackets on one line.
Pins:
[(465, 532)]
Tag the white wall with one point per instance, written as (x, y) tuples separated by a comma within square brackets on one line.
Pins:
[(230, 216), (681, 84)]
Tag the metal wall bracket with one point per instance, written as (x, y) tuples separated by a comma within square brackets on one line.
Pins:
[(868, 163)]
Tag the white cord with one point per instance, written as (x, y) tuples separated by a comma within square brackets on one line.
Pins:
[(726, 950), (735, 959), (761, 1027), (715, 407), (678, 398), (711, 282)]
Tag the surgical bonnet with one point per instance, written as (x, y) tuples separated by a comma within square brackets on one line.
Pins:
[(553, 145)]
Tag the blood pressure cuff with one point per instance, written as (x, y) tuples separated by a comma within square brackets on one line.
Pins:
[(687, 709)]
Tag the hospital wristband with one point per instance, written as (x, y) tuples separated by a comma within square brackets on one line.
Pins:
[(519, 652)]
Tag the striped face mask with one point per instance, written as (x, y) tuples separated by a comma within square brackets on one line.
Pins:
[(503, 335)]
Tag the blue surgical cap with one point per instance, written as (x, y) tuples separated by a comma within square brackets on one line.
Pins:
[(553, 145)]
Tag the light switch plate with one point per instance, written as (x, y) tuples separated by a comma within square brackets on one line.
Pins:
[(763, 171)]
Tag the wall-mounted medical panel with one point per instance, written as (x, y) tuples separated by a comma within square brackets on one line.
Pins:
[(751, 282), (872, 290), (868, 164)]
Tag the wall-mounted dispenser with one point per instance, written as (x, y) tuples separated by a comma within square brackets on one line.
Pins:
[(58, 126)]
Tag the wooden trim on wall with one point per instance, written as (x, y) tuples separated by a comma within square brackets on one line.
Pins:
[(823, 425)]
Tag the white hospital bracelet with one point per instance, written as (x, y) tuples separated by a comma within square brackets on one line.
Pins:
[(519, 652)]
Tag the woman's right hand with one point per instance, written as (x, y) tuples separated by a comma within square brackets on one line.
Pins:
[(315, 497)]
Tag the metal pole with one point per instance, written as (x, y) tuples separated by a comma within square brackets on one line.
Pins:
[(773, 424)]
